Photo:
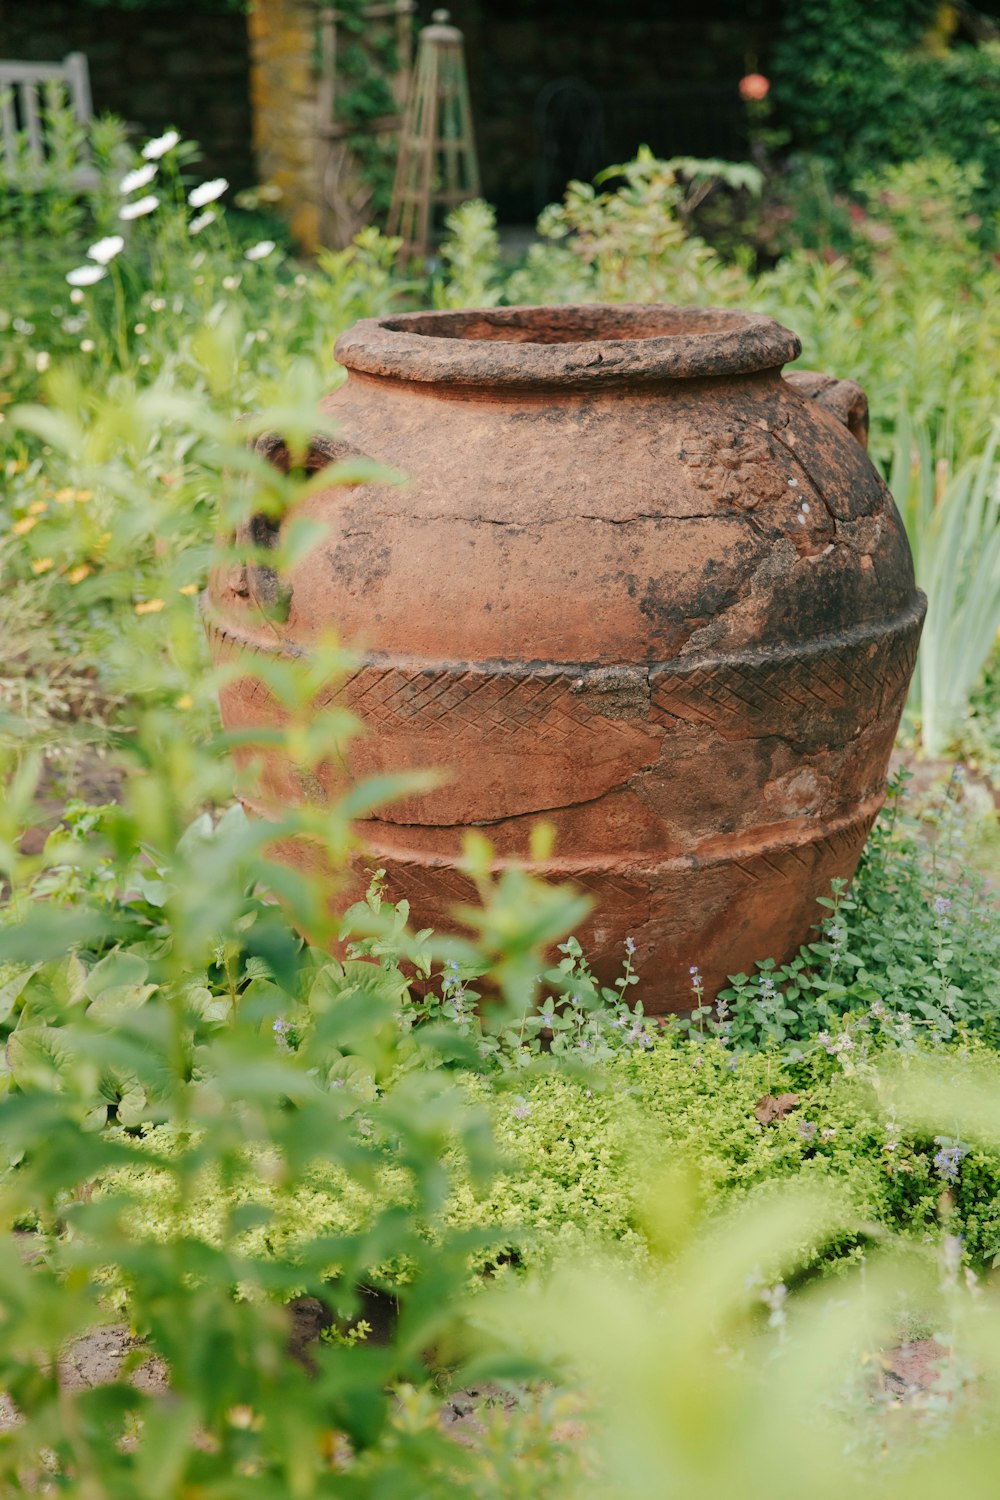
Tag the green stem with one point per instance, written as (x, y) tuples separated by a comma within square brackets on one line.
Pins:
[(121, 332)]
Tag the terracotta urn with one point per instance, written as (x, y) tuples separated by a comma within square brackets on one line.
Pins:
[(638, 585)]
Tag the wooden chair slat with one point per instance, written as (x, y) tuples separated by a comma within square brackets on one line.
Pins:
[(32, 123)]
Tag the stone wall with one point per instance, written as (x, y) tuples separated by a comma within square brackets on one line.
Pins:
[(155, 67)]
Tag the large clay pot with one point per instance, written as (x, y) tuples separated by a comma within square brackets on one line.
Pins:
[(638, 585)]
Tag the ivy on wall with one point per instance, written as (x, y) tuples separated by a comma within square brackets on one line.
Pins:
[(367, 62)]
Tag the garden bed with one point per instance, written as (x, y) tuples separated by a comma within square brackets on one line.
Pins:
[(688, 1243)]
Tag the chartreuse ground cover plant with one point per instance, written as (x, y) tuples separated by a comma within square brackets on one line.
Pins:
[(203, 1117)]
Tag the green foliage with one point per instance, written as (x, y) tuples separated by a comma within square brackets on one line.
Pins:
[(470, 254), (367, 61), (581, 1156), (151, 980), (203, 1117), (901, 967), (911, 313), (912, 949), (914, 283), (630, 243), (709, 1379), (830, 62), (953, 522), (45, 203), (865, 87)]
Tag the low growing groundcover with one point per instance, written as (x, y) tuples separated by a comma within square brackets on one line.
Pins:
[(582, 1155)]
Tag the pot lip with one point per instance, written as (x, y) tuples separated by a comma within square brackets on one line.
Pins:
[(587, 345)]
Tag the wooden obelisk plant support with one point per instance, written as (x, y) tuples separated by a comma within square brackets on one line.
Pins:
[(437, 166)]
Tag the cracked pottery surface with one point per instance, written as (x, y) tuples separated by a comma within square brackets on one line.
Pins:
[(638, 584)]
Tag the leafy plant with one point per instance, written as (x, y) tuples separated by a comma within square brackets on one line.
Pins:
[(868, 89), (953, 522), (470, 255), (153, 981), (46, 202), (912, 949), (630, 242)]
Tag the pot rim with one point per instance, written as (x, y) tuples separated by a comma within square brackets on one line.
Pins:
[(576, 345)]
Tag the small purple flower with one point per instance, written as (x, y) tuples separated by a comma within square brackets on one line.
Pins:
[(451, 983), (807, 1130), (947, 1160), (630, 946), (521, 1110), (942, 905), (836, 934), (638, 1035)]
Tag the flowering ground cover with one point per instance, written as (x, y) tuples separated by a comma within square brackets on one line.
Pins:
[(681, 1249)]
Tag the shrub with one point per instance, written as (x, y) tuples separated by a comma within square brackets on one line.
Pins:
[(867, 87)]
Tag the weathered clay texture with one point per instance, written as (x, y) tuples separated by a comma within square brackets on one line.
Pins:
[(638, 585)]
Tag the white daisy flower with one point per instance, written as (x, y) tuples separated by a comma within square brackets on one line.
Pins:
[(154, 149), (259, 251), (140, 177), (207, 192), (85, 275), (139, 207), (202, 221), (106, 249)]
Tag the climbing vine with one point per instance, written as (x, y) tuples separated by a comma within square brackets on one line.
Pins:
[(367, 61)]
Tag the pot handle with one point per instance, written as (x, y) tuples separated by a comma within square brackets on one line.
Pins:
[(843, 399), (257, 581)]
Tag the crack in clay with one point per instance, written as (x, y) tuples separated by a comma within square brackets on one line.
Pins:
[(707, 515), (541, 521), (531, 812), (805, 749)]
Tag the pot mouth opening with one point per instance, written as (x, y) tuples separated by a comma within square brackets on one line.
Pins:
[(572, 346)]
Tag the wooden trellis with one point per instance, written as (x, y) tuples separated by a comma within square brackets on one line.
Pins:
[(345, 194), (437, 165)]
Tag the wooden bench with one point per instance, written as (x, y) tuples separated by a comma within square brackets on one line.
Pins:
[(25, 91)]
